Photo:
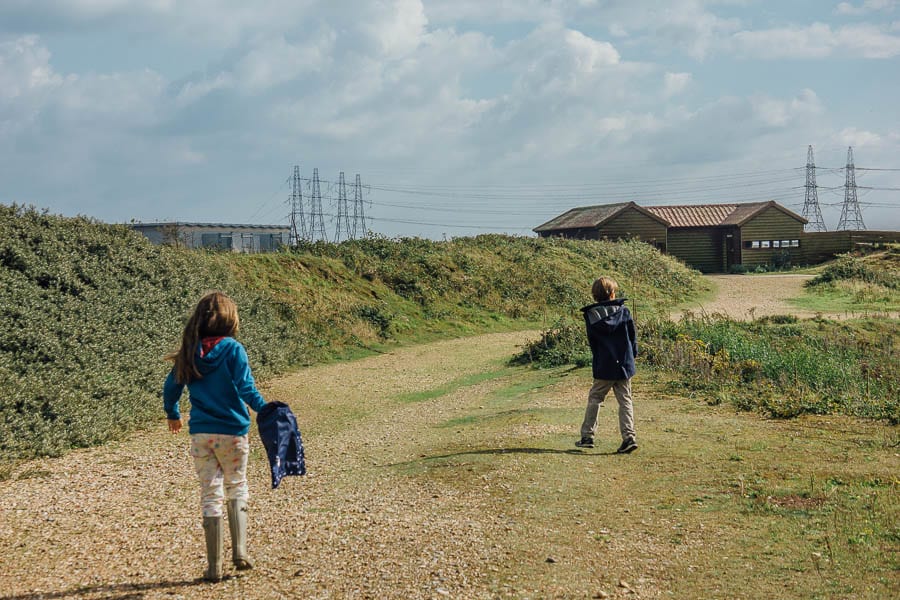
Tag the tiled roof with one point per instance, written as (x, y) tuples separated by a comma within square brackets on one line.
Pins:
[(713, 215), (705, 215), (584, 217), (698, 215)]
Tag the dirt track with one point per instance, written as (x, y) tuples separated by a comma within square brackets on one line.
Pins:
[(746, 297)]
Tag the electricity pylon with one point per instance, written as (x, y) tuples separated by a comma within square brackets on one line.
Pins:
[(851, 215)]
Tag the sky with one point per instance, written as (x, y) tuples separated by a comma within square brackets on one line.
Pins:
[(461, 117)]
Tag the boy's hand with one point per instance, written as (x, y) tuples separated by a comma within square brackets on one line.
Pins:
[(174, 425)]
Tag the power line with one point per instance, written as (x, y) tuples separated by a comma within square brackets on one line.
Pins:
[(263, 205), (458, 226), (506, 199), (617, 179)]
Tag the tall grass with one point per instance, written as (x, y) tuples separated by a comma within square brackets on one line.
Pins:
[(882, 269), (783, 366), (519, 277), (856, 283), (778, 365)]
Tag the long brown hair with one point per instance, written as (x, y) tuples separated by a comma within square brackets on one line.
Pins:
[(215, 315)]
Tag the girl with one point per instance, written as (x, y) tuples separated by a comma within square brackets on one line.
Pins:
[(214, 367)]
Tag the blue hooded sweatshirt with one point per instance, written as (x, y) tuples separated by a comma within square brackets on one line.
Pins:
[(219, 400), (613, 339)]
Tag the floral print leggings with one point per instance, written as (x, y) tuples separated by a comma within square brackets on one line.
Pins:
[(221, 464)]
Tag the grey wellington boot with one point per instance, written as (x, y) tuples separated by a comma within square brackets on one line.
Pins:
[(215, 537), (237, 523)]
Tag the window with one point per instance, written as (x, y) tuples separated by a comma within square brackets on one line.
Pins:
[(269, 241), (221, 241), (764, 244), (785, 243), (754, 244), (795, 243), (776, 244)]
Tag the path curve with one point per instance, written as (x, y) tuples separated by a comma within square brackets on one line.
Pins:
[(746, 297)]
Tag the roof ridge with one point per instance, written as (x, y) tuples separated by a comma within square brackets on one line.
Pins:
[(720, 204)]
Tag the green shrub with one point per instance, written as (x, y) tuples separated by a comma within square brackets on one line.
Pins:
[(564, 343), (849, 267), (87, 311)]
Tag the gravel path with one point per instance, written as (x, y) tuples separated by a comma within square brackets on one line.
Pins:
[(745, 297), (121, 521)]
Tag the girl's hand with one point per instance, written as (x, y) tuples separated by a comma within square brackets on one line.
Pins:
[(174, 425)]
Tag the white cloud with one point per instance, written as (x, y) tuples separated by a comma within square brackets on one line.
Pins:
[(675, 83), (818, 40), (851, 136), (25, 68), (772, 112), (868, 41), (556, 60), (275, 61), (117, 102), (590, 54), (495, 11), (867, 7), (190, 91), (400, 28), (41, 108), (814, 41)]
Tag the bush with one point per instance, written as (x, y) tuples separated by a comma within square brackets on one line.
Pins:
[(87, 311), (849, 267), (564, 343)]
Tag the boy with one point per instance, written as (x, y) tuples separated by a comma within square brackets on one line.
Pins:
[(613, 341)]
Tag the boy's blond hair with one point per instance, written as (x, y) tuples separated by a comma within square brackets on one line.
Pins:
[(604, 289)]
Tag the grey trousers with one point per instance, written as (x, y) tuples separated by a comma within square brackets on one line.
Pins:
[(622, 389)]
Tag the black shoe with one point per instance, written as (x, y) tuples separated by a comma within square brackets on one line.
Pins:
[(629, 445), (585, 442)]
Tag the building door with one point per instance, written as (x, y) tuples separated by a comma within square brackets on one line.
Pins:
[(247, 243), (731, 256)]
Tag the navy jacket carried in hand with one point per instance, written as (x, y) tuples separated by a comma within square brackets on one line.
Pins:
[(613, 340), (281, 439)]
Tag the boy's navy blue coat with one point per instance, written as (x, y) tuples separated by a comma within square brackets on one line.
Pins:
[(281, 439), (613, 339)]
